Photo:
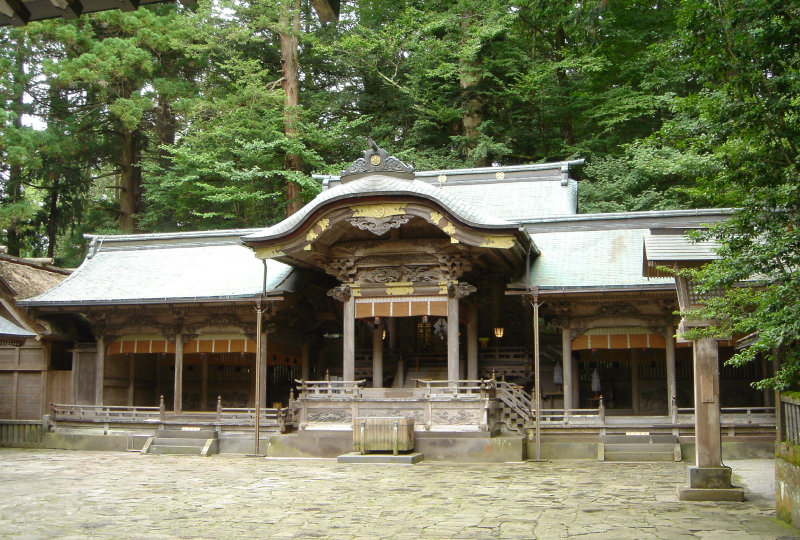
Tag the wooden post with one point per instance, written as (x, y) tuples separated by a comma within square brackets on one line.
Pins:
[(204, 383), (472, 342), (100, 367), (349, 339), (706, 403), (566, 361), (635, 381), (178, 399), (672, 385), (305, 359), (452, 339), (377, 356)]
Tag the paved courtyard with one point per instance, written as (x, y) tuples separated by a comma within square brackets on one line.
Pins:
[(71, 495)]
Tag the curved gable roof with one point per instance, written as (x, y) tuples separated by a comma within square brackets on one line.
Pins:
[(377, 185)]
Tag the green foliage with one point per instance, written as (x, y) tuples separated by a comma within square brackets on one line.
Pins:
[(744, 54)]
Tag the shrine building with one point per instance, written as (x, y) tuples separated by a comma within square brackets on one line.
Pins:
[(407, 294)]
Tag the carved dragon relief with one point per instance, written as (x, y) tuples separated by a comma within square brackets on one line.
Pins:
[(389, 274), (379, 225)]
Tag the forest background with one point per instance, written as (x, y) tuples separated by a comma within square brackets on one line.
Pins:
[(214, 116)]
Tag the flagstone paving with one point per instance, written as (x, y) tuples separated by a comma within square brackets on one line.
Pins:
[(76, 495)]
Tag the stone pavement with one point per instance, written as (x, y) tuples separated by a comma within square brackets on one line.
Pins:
[(72, 495)]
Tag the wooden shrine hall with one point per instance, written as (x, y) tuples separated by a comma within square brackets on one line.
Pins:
[(407, 294)]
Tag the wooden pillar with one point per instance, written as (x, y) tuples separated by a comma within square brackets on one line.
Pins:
[(635, 380), (472, 342), (204, 383), (566, 361), (672, 385), (349, 337), (100, 367), (264, 369), (706, 403), (178, 399), (131, 379), (377, 356), (305, 358), (452, 338), (392, 331)]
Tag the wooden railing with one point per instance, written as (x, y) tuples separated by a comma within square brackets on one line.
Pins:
[(22, 433), (764, 416), (105, 413), (517, 399), (455, 388), (158, 415), (790, 420), (330, 389)]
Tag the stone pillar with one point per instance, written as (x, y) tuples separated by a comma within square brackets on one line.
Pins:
[(452, 338), (472, 343), (672, 385), (566, 361), (178, 400), (709, 480), (349, 339), (377, 356), (635, 380), (305, 359), (100, 367)]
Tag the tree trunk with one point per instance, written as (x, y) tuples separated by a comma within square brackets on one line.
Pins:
[(52, 216), (469, 76), (130, 193), (289, 29), (567, 131), (14, 187)]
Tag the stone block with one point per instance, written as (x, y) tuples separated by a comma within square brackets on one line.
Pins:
[(732, 494), (400, 459), (710, 477)]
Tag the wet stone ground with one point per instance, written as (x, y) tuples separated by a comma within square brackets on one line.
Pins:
[(72, 495)]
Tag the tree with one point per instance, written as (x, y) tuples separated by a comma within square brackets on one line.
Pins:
[(744, 54)]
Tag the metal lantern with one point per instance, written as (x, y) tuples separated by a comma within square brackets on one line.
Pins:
[(498, 332)]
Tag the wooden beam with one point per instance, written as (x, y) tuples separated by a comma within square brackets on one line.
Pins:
[(16, 11), (128, 5), (72, 8), (327, 10)]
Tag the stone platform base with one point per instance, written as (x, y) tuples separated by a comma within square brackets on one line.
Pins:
[(400, 459), (733, 494)]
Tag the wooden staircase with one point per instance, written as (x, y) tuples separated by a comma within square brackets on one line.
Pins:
[(639, 447), (183, 442)]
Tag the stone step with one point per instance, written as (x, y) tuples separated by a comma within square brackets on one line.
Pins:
[(639, 456), (644, 448), (180, 450), (168, 441), (640, 439), (181, 434)]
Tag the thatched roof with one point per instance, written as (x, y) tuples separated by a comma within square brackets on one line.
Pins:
[(29, 278)]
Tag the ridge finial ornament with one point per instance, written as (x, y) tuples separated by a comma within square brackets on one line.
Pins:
[(377, 160)]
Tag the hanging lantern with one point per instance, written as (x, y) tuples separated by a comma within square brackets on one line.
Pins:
[(377, 321), (424, 319), (498, 332), (558, 374), (384, 334), (595, 382)]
